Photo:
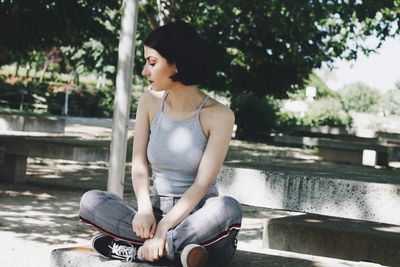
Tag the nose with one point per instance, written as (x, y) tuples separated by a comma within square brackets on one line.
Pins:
[(145, 71)]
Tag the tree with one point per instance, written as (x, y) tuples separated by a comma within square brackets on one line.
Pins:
[(391, 101), (315, 81), (271, 47), (257, 47), (27, 26), (360, 97), (266, 47)]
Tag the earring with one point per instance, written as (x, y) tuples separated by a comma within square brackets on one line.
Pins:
[(176, 70)]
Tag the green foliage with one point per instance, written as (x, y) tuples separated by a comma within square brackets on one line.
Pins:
[(255, 114), (257, 47), (360, 97), (285, 120), (315, 81), (36, 26), (326, 111), (82, 101), (322, 89), (11, 95), (391, 101), (270, 47)]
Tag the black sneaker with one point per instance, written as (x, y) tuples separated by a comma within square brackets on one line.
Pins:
[(114, 248)]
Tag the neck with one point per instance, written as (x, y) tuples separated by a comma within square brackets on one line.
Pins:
[(183, 98)]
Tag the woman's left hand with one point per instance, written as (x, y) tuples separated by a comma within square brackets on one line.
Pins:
[(153, 249)]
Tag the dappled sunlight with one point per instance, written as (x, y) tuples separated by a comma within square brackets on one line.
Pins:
[(39, 216), (180, 140), (45, 209), (261, 154), (313, 221), (11, 193), (391, 229)]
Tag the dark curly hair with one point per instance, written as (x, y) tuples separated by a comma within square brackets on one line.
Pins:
[(180, 44)]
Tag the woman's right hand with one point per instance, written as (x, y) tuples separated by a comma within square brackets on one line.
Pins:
[(144, 224)]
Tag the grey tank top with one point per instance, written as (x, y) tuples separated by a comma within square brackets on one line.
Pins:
[(174, 151)]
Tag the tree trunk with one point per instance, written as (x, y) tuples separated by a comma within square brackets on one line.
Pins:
[(46, 66), (28, 69), (17, 69)]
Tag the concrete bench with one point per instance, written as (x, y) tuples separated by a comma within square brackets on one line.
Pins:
[(85, 256), (335, 238), (346, 151), (1, 155), (366, 222), (341, 133), (388, 138), (18, 148), (50, 124), (353, 241), (343, 193)]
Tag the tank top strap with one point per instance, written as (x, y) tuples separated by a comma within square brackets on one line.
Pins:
[(202, 105), (163, 100)]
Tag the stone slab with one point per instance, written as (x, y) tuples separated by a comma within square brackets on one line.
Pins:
[(13, 169), (341, 133), (28, 123), (334, 143), (386, 137), (346, 151), (18, 148), (1, 155), (57, 148), (346, 194), (84, 256), (335, 237)]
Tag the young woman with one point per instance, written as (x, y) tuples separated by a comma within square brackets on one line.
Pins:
[(183, 135)]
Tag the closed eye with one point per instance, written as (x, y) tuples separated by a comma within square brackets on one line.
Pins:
[(151, 61)]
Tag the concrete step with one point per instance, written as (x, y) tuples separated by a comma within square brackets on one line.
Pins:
[(312, 234), (39, 123), (85, 256), (334, 237), (347, 193), (56, 147)]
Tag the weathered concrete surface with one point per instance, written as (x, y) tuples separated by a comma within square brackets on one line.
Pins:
[(84, 256), (50, 124), (13, 169), (346, 151), (344, 194), (389, 138), (1, 155), (57, 148), (18, 148), (335, 237)]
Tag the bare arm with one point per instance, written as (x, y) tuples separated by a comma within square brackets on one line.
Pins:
[(144, 222)]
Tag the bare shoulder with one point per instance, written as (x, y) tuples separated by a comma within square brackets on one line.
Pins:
[(150, 96), (215, 115), (218, 111), (151, 100)]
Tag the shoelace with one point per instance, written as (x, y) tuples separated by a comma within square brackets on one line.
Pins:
[(123, 252)]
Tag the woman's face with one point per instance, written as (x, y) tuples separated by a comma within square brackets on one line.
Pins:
[(157, 70)]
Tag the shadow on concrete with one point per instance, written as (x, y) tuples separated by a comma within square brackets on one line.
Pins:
[(254, 259), (45, 209), (40, 214)]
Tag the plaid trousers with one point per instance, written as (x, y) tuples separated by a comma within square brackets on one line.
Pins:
[(213, 223)]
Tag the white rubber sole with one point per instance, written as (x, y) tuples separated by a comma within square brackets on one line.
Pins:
[(186, 251)]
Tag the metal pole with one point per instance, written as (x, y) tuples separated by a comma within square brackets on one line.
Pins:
[(122, 100)]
